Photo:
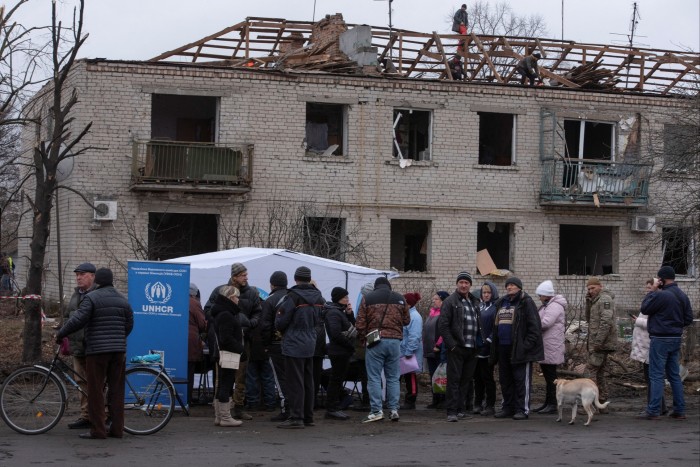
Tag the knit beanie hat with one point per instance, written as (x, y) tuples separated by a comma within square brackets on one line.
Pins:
[(338, 293), (302, 274), (666, 272), (515, 281), (442, 294), (412, 298), (278, 279), (593, 281), (194, 290), (104, 276), (381, 280), (237, 268), (367, 288), (464, 275), (545, 289)]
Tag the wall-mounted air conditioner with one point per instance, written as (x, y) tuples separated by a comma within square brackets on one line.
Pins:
[(105, 210), (643, 224)]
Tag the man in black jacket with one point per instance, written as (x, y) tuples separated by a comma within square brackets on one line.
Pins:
[(251, 306), (272, 339), (517, 342), (459, 327), (108, 319), (297, 318)]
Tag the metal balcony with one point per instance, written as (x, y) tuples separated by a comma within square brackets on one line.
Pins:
[(594, 182), (191, 167)]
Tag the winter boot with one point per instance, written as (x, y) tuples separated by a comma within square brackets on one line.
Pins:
[(217, 414), (240, 414), (225, 415)]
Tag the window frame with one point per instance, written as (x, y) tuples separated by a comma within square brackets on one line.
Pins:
[(582, 138), (513, 142), (395, 148), (690, 246), (344, 111)]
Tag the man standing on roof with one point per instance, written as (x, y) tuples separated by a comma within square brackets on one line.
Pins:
[(527, 67), (461, 18)]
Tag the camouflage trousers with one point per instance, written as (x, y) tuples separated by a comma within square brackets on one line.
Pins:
[(595, 369)]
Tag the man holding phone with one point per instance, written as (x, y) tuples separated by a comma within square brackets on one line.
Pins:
[(669, 312)]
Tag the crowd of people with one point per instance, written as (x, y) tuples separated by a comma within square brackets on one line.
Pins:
[(283, 340), (473, 333)]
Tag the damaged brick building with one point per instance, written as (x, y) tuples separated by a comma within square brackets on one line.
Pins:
[(353, 142)]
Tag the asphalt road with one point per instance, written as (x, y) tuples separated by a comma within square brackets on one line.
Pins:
[(422, 437)]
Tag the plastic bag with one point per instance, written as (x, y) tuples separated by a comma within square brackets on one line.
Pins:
[(65, 346), (440, 379)]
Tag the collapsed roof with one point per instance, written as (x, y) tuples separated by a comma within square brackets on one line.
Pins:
[(330, 45)]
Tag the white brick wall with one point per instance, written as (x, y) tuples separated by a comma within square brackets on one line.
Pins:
[(263, 108)]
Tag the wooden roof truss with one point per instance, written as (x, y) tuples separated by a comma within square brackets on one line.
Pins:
[(489, 59)]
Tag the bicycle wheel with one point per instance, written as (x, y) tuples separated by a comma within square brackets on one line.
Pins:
[(149, 401), (32, 401)]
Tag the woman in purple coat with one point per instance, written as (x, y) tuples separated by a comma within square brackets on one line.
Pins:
[(552, 316)]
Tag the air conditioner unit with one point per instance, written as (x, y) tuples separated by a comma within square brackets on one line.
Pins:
[(643, 224), (105, 210)]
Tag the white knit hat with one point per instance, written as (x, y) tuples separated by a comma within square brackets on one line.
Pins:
[(545, 289)]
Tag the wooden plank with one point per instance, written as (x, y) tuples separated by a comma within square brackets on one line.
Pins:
[(441, 49), (196, 43), (541, 49), (558, 78), (487, 58), (417, 59)]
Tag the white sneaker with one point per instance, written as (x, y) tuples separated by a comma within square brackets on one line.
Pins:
[(394, 416), (373, 417)]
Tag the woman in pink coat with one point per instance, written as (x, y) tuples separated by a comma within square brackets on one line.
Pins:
[(553, 317)]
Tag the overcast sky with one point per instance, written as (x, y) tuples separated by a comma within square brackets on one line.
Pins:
[(141, 29)]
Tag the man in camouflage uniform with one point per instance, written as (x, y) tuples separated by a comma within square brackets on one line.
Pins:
[(600, 313)]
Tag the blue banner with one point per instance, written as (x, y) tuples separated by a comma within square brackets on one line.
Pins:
[(159, 296)]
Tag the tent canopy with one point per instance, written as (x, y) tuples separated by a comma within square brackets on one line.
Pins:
[(210, 270)]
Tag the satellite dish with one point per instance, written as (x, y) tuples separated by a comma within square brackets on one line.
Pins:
[(64, 168)]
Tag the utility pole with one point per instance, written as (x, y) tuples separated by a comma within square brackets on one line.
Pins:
[(391, 26)]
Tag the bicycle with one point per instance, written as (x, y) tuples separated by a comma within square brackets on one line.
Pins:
[(34, 398)]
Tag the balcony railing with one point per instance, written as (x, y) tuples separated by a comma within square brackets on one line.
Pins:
[(603, 183), (189, 166)]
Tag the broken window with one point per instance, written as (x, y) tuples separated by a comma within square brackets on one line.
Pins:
[(409, 245), (496, 138), (325, 128), (587, 250), (681, 147), (678, 247), (496, 238), (324, 237), (183, 118), (412, 134), (172, 235), (589, 140)]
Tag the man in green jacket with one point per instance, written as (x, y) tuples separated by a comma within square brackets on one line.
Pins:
[(600, 314)]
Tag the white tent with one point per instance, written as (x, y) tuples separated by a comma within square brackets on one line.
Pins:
[(210, 270)]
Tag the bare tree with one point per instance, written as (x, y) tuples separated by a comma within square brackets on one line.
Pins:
[(500, 20), (62, 143)]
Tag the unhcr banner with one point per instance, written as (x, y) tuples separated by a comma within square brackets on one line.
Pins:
[(159, 296)]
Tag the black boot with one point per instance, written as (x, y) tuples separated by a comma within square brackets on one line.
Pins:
[(537, 410), (547, 409)]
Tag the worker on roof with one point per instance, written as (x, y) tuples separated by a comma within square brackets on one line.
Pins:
[(461, 18), (527, 67)]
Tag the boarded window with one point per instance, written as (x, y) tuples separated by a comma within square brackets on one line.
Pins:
[(172, 235), (496, 237), (678, 247), (412, 134), (324, 237), (409, 244), (325, 128), (496, 138), (587, 250)]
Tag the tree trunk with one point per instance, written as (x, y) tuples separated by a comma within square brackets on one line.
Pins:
[(43, 203)]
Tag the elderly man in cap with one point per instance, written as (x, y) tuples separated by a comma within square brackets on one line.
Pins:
[(669, 312), (108, 319), (380, 321), (297, 318), (517, 343), (460, 327), (85, 282), (602, 336), (251, 306)]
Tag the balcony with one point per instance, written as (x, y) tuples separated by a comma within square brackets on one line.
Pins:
[(191, 167), (594, 182)]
